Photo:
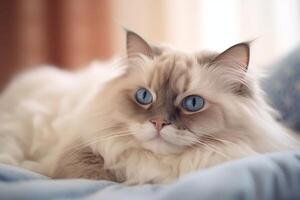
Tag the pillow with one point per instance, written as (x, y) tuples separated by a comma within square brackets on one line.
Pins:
[(283, 89)]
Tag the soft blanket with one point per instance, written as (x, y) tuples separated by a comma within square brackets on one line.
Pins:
[(264, 177)]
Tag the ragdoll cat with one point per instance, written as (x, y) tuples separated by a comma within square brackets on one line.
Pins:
[(160, 115)]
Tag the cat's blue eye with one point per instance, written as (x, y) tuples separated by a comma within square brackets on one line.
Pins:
[(193, 103), (143, 96)]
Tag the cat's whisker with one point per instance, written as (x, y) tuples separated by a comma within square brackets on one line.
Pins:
[(205, 134), (218, 139), (110, 128), (96, 140), (292, 138), (104, 136), (209, 147)]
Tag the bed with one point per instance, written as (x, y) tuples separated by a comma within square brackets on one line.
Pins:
[(265, 177)]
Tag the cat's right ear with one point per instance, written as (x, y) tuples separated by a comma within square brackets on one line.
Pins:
[(236, 56), (136, 45), (235, 61)]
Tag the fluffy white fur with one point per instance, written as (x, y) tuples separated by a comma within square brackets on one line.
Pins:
[(39, 113)]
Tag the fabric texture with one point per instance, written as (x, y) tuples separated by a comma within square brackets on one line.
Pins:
[(265, 177)]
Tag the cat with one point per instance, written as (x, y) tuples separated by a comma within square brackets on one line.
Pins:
[(152, 118)]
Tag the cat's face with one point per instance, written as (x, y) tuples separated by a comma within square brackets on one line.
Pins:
[(172, 101)]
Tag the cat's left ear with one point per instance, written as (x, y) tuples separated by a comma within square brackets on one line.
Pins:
[(135, 45), (237, 56), (234, 62)]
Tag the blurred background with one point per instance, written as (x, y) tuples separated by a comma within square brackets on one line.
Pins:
[(72, 33)]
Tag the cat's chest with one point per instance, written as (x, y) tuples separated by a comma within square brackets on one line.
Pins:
[(140, 167), (135, 165), (137, 169)]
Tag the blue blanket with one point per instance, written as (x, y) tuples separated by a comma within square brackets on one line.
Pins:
[(265, 177)]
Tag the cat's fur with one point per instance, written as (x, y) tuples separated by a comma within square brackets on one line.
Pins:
[(88, 124)]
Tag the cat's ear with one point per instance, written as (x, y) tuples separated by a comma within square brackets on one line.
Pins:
[(135, 45), (234, 62), (236, 56)]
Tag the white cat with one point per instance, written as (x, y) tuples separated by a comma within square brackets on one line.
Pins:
[(160, 115)]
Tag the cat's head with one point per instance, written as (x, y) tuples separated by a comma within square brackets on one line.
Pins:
[(169, 101)]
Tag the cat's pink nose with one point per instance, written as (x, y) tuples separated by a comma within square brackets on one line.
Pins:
[(159, 123)]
